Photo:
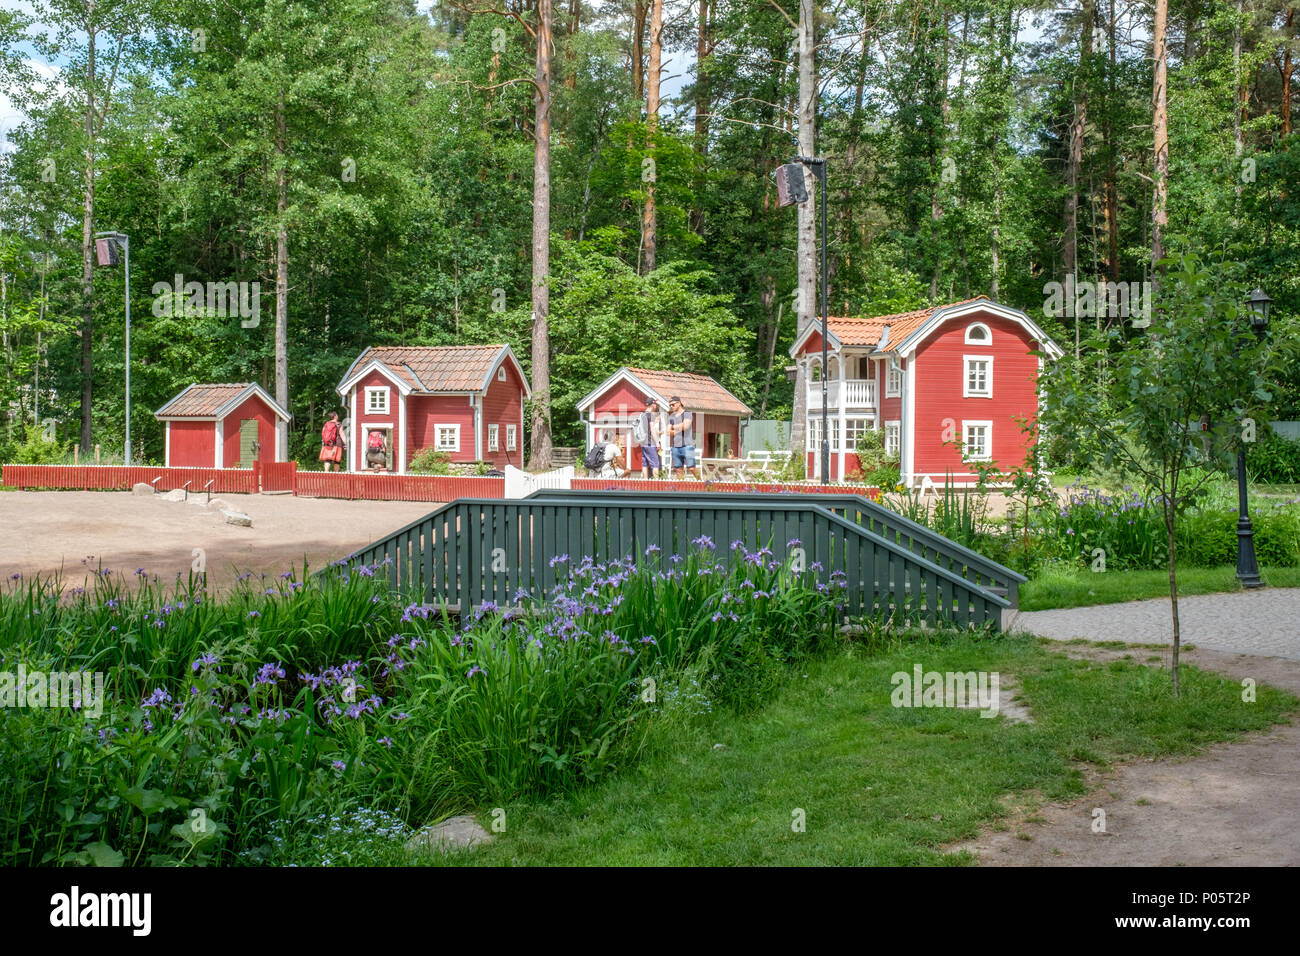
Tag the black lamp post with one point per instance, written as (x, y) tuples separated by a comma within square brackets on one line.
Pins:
[(1257, 304), (791, 190), (107, 245)]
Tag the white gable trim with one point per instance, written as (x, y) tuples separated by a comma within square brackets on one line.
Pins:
[(626, 375), (909, 344), (506, 353), (374, 365), (243, 396)]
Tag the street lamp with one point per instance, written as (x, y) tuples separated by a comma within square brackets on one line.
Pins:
[(1257, 304), (791, 190), (106, 246)]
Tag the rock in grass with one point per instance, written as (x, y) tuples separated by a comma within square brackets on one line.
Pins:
[(238, 517), (456, 833), (142, 488)]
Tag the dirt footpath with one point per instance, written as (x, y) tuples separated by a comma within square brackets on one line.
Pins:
[(1234, 805), (44, 531)]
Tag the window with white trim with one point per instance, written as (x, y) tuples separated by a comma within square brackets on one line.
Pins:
[(501, 374), (893, 433), (978, 379), (376, 400), (512, 437), (978, 332), (893, 382), (855, 428), (977, 441), (814, 432), (494, 437), (447, 437)]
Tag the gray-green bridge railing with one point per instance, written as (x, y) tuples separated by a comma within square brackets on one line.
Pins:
[(474, 551)]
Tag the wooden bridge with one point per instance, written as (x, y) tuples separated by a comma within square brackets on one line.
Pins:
[(477, 550)]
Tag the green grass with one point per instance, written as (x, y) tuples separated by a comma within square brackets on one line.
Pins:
[(1059, 587), (877, 785)]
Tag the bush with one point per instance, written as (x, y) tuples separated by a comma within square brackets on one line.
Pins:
[(430, 462), (36, 450), (1273, 460)]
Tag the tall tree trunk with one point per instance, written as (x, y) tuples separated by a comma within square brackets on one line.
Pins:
[(648, 223), (807, 241), (703, 50), (1287, 70), (1160, 127), (1112, 176), (541, 423), (1239, 112), (1070, 251), (282, 272), (87, 249), (638, 47)]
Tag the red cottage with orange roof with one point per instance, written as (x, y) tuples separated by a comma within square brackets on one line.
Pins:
[(945, 384), (465, 400), (614, 404), (221, 426)]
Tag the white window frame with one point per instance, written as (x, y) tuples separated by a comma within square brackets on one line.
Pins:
[(894, 378), (501, 373), (512, 437), (966, 391), (494, 437), (987, 425), (854, 428), (371, 391), (988, 334), (437, 436), (894, 428)]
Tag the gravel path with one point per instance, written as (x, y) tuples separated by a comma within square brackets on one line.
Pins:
[(1265, 622)]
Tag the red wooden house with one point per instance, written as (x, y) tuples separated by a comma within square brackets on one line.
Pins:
[(221, 426), (945, 384), (614, 404), (465, 400)]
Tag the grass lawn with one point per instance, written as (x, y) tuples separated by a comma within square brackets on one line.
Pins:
[(878, 785), (1056, 588)]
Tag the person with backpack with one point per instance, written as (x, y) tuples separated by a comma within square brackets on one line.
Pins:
[(376, 450), (331, 443), (646, 435), (604, 458)]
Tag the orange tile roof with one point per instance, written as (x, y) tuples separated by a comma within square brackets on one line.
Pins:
[(201, 401), (851, 331), (698, 393), (436, 368)]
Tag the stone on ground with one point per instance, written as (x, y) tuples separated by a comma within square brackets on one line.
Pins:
[(217, 504), (176, 494), (456, 833), (142, 488), (237, 517)]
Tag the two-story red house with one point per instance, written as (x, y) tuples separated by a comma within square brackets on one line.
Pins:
[(945, 384), (464, 400)]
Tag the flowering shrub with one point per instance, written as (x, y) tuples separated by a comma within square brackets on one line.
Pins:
[(288, 704)]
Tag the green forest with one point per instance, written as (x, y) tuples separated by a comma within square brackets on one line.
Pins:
[(592, 183)]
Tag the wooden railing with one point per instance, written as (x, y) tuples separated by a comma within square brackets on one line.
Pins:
[(122, 478), (851, 393), (475, 551), (917, 538)]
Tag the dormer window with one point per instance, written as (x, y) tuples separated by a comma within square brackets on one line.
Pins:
[(978, 332)]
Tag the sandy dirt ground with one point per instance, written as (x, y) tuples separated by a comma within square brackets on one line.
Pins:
[(1233, 805), (45, 531)]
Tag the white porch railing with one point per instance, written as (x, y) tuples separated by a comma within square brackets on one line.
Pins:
[(856, 392)]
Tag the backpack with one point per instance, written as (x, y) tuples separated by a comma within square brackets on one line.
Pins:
[(595, 459), (641, 430), (375, 442)]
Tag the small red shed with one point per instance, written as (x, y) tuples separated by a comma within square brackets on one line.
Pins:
[(465, 400), (616, 402), (221, 426), (945, 385)]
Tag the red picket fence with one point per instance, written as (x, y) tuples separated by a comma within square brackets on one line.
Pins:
[(121, 478), (279, 476), (333, 484), (695, 487)]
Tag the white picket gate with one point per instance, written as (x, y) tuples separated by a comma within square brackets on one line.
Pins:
[(520, 484)]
